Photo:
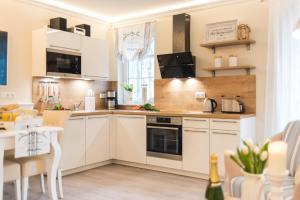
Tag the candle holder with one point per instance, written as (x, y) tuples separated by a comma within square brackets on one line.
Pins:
[(276, 184)]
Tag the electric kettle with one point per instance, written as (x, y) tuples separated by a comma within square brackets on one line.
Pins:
[(209, 105)]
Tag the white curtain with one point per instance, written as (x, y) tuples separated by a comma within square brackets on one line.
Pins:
[(136, 51), (283, 70)]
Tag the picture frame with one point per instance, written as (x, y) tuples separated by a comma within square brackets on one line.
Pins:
[(3, 58), (221, 31)]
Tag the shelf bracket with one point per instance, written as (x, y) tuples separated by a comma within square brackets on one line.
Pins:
[(248, 46), (214, 50), (248, 71)]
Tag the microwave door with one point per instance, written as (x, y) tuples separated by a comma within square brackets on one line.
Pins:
[(63, 63)]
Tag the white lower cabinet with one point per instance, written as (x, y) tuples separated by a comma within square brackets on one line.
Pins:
[(94, 139), (195, 150), (131, 138), (220, 141), (97, 139), (73, 144)]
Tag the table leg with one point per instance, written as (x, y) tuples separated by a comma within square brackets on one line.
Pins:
[(53, 166), (1, 167)]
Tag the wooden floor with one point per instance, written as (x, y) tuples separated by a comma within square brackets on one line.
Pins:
[(116, 182)]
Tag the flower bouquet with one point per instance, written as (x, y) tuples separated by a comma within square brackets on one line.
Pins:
[(252, 159)]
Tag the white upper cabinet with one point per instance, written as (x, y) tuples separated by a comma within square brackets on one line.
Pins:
[(94, 52), (94, 58), (64, 40)]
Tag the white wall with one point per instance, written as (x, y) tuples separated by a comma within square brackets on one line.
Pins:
[(253, 13), (19, 19)]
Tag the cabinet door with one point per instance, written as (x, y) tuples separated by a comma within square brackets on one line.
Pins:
[(131, 138), (220, 141), (97, 139), (73, 144), (64, 40), (95, 56), (195, 150)]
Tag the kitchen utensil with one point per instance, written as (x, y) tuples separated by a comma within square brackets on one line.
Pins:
[(209, 105)]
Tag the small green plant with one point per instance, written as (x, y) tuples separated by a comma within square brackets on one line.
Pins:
[(251, 158), (148, 107), (128, 87)]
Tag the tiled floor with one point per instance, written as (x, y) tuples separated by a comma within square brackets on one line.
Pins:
[(116, 182)]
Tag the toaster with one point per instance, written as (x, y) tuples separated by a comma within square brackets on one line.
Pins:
[(232, 105)]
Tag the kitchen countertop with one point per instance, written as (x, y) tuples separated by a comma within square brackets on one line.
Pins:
[(197, 114)]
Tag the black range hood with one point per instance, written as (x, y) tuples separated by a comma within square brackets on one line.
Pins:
[(180, 63)]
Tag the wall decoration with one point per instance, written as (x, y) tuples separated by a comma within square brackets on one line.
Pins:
[(221, 31), (244, 32), (3, 58)]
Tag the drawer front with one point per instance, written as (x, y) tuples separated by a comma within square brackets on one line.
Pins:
[(161, 162), (225, 124), (189, 122)]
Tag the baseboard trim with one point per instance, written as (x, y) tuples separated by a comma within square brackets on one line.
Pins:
[(87, 167), (137, 165)]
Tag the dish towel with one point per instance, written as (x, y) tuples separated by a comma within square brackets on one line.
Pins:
[(32, 142)]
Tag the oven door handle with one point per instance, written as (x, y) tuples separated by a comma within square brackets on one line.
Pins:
[(165, 128)]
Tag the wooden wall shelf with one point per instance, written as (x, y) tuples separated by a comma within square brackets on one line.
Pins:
[(214, 69), (214, 45)]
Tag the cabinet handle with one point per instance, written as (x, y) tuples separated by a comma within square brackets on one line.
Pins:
[(71, 49), (195, 131), (98, 117), (77, 118), (220, 121), (196, 120), (222, 133), (131, 117), (87, 76), (165, 128)]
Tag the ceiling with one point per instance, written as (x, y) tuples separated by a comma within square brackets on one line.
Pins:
[(119, 10), (113, 8)]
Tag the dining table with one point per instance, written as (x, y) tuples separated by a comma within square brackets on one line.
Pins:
[(7, 142)]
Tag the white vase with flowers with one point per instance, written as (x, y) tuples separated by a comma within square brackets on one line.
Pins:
[(252, 159)]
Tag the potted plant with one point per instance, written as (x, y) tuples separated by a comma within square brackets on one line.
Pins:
[(252, 159), (128, 92)]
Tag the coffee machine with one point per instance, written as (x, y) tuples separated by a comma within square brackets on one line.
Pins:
[(111, 99)]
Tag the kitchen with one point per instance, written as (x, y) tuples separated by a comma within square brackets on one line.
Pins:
[(157, 105)]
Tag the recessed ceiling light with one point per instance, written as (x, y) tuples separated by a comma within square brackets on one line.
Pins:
[(72, 8)]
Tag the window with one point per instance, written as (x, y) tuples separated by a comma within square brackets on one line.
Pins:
[(138, 72)]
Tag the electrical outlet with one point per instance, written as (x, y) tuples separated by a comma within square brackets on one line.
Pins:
[(7, 95), (199, 95)]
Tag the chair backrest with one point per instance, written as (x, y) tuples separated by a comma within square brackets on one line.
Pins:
[(291, 136), (32, 142), (56, 118)]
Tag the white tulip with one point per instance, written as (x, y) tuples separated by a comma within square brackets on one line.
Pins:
[(256, 150), (249, 142), (245, 150), (267, 141), (264, 156)]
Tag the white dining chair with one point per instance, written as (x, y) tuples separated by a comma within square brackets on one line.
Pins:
[(12, 173), (32, 147)]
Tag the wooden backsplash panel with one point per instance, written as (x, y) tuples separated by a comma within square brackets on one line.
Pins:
[(72, 91), (178, 94)]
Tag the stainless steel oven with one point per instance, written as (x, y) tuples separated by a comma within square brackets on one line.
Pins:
[(63, 63), (164, 137)]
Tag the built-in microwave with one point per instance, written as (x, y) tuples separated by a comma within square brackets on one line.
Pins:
[(63, 63)]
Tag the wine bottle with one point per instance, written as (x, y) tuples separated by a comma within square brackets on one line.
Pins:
[(214, 188)]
